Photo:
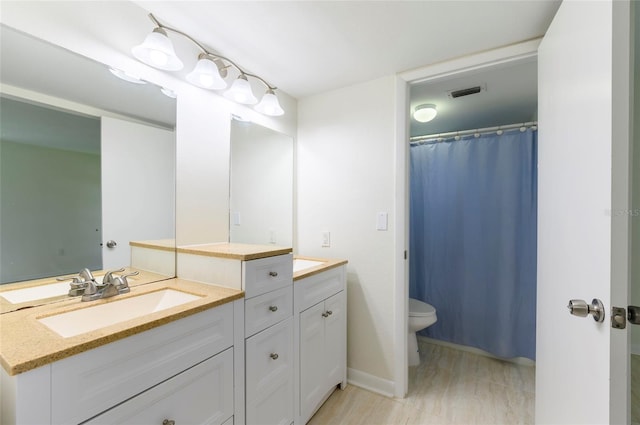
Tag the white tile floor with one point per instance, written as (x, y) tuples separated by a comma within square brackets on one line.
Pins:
[(449, 387)]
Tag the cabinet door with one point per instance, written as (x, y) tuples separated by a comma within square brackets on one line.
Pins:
[(335, 332), (269, 375), (312, 359), (202, 394)]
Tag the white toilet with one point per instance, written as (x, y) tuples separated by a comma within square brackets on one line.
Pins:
[(421, 315)]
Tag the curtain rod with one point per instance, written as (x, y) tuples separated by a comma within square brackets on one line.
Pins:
[(498, 129)]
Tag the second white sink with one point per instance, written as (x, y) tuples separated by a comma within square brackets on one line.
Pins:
[(101, 315), (300, 264)]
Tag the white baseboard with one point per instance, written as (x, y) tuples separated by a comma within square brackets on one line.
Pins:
[(370, 382), (517, 360)]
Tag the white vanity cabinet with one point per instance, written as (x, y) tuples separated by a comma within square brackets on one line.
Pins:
[(269, 340), (202, 394), (321, 331), (180, 371)]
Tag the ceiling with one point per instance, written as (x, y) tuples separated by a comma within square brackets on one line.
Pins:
[(508, 95), (309, 47)]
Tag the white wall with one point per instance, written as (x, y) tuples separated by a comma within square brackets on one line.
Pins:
[(345, 175), (105, 31)]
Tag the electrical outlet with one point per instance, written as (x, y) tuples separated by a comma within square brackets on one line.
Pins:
[(326, 239)]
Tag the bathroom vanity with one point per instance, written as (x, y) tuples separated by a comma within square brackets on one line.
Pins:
[(251, 342), (126, 372), (320, 300)]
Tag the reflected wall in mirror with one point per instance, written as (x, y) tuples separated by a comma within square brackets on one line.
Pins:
[(86, 158), (261, 180)]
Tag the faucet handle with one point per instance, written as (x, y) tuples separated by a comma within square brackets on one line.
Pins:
[(125, 282), (108, 276), (85, 275)]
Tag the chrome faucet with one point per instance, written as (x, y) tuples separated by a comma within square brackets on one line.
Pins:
[(79, 283), (111, 286)]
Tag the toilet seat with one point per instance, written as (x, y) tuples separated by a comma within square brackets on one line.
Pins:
[(419, 308)]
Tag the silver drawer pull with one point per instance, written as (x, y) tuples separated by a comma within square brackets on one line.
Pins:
[(274, 356), (329, 312), (273, 274), (168, 422), (325, 315), (273, 308)]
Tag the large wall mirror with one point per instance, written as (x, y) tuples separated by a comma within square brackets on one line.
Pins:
[(261, 180), (85, 158)]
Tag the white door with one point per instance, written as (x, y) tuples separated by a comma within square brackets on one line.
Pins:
[(138, 187), (582, 365)]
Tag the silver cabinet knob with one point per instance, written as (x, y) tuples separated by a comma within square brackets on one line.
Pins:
[(273, 274), (274, 356), (580, 308), (273, 308), (168, 422), (111, 243)]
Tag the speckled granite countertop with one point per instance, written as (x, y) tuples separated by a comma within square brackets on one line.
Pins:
[(26, 344), (237, 251), (326, 265)]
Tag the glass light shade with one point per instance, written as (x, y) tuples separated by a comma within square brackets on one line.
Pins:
[(157, 51), (126, 76), (269, 105), (240, 91), (206, 75), (425, 113)]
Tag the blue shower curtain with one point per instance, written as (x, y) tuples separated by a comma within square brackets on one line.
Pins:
[(473, 227)]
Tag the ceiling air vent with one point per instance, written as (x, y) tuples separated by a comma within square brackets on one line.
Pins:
[(466, 92)]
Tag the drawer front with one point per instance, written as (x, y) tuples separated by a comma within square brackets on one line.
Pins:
[(266, 274), (311, 290), (91, 382), (200, 395), (269, 375), (267, 309)]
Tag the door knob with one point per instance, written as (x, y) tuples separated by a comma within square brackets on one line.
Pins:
[(580, 308), (111, 244)]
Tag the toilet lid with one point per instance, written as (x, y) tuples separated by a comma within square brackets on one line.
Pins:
[(419, 308)]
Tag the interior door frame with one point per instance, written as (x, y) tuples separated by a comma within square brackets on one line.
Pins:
[(509, 55)]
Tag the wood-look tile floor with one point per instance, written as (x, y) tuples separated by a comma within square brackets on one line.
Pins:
[(449, 387)]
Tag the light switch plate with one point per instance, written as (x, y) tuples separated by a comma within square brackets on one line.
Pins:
[(326, 239), (382, 219)]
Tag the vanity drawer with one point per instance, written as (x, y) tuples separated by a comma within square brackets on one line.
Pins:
[(267, 309), (92, 382), (269, 375), (200, 395), (311, 290), (266, 274)]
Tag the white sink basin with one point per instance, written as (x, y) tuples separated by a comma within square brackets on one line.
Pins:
[(34, 293), (42, 292), (98, 316), (300, 264)]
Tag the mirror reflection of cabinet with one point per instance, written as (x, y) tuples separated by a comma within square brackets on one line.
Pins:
[(261, 180)]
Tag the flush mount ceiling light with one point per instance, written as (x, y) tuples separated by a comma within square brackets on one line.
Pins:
[(425, 112), (209, 72)]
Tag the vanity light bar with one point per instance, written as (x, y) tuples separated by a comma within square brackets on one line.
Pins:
[(209, 73)]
